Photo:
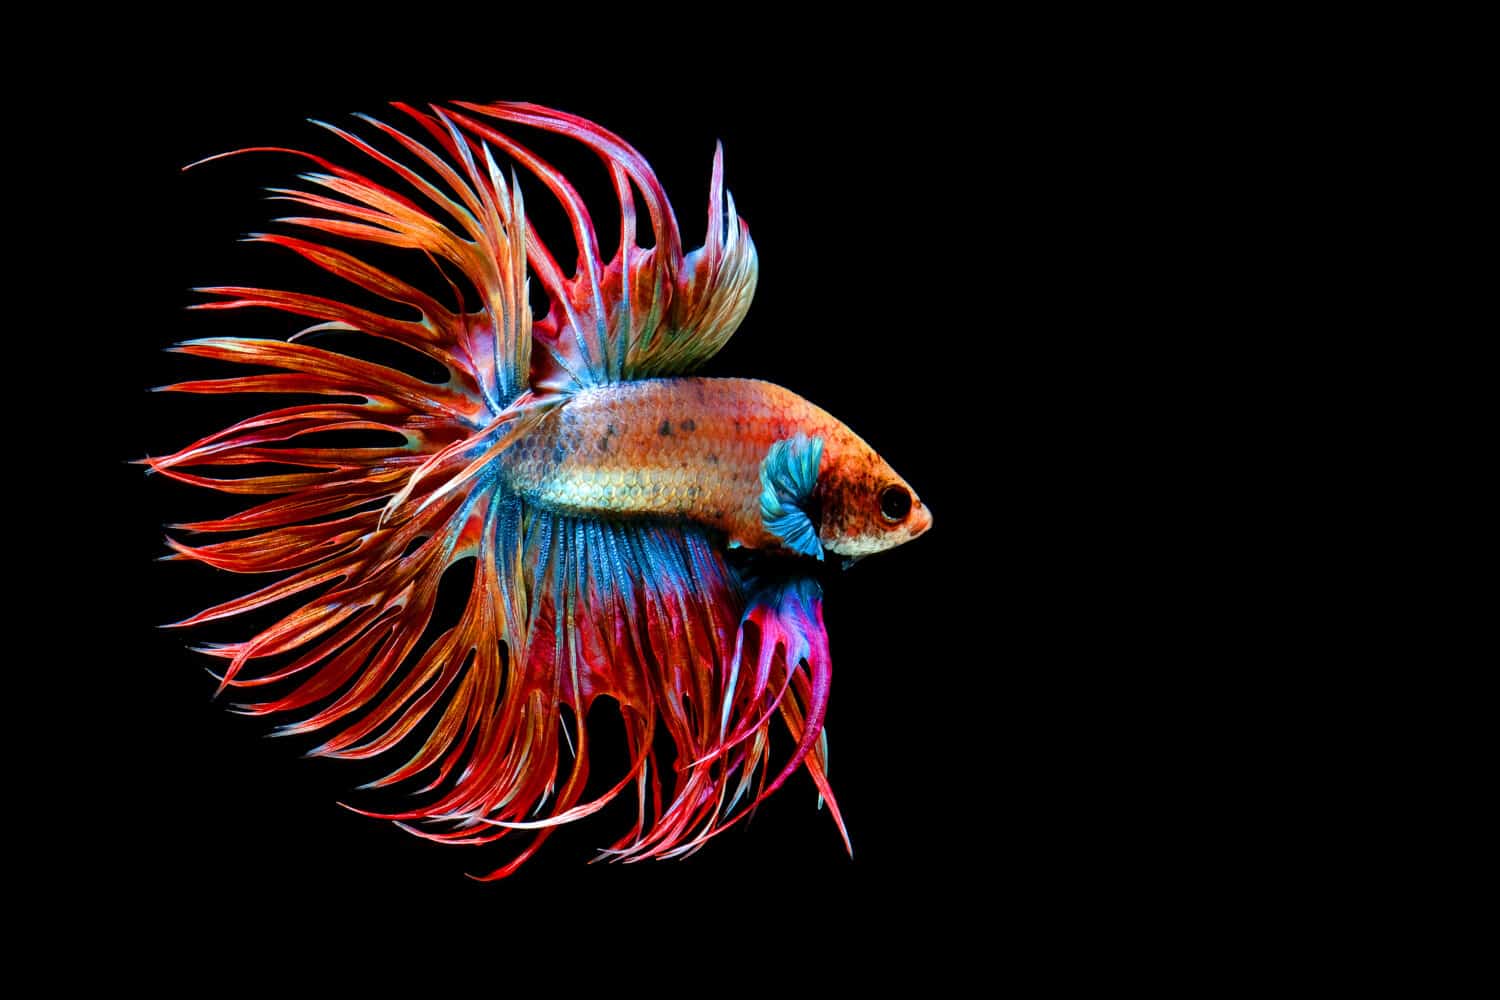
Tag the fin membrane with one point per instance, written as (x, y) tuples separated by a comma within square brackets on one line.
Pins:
[(788, 477)]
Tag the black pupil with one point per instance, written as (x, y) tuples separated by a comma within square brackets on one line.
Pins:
[(895, 503)]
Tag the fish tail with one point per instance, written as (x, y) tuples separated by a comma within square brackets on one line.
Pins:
[(488, 721)]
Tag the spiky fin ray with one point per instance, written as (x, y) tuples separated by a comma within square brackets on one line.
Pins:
[(492, 346), (648, 313), (561, 612)]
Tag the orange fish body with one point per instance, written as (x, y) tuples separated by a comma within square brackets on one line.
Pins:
[(572, 460), (692, 449)]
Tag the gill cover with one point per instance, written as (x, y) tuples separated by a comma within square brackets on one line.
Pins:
[(788, 476)]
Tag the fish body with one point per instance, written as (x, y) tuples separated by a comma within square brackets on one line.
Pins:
[(693, 449), (593, 485)]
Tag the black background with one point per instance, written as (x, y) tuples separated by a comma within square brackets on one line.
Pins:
[(878, 219), (1025, 266), (964, 255)]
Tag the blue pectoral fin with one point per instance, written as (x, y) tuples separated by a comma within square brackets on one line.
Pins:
[(788, 477)]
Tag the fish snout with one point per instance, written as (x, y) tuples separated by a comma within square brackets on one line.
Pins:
[(921, 517)]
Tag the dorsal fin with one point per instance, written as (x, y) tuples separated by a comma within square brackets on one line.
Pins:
[(646, 313)]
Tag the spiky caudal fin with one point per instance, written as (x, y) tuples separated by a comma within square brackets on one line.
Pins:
[(561, 610)]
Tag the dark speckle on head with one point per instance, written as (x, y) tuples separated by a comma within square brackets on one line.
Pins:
[(713, 458), (688, 425), (666, 428), (604, 443)]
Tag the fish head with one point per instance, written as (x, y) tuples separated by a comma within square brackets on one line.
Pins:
[(864, 507)]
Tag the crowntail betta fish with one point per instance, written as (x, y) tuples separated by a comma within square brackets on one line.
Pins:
[(638, 533)]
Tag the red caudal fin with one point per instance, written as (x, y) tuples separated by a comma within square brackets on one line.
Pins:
[(486, 724)]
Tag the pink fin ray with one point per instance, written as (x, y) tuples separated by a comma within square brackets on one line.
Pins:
[(561, 611)]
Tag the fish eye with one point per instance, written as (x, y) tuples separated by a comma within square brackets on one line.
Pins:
[(895, 502)]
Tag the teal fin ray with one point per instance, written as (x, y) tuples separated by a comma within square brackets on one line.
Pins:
[(788, 477)]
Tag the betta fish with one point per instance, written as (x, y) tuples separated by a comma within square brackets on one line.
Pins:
[(638, 533)]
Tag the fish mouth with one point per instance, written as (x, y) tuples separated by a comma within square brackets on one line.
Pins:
[(880, 540), (921, 518)]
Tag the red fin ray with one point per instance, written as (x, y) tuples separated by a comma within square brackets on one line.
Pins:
[(646, 313), (333, 370), (560, 611)]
